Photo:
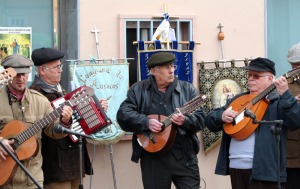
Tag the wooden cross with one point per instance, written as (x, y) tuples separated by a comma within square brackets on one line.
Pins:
[(220, 27), (97, 42)]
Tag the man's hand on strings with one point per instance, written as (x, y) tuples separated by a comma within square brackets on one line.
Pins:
[(229, 115), (281, 85), (8, 144), (155, 125)]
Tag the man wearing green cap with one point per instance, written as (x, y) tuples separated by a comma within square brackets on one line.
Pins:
[(27, 106), (161, 95)]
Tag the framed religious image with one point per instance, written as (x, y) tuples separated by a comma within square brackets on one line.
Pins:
[(223, 91), (15, 40)]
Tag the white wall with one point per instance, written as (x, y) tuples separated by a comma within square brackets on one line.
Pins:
[(244, 28)]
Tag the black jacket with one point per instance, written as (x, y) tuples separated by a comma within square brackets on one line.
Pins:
[(132, 114)]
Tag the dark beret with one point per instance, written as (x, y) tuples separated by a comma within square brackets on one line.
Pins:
[(20, 63), (43, 55), (160, 58), (262, 65)]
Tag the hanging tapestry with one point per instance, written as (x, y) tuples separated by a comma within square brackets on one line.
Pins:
[(184, 60), (110, 81), (219, 85)]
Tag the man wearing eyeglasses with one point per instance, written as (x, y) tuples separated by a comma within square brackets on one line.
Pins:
[(161, 95), (61, 163), (252, 162)]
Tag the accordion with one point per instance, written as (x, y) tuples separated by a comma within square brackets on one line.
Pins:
[(88, 117)]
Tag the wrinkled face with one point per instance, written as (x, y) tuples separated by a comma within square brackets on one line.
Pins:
[(51, 72), (164, 74), (19, 82), (259, 81)]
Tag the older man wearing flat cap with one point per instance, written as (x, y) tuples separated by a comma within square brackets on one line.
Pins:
[(26, 106), (252, 162), (161, 95), (293, 138)]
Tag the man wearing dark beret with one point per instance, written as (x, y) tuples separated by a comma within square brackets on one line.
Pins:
[(61, 157), (148, 103), (251, 160), (25, 107)]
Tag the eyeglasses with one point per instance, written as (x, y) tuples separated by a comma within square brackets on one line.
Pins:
[(256, 76), (169, 67), (58, 67)]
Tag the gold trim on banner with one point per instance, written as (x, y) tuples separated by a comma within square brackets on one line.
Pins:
[(218, 85)]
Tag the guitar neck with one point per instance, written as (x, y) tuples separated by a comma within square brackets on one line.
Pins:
[(263, 94), (187, 108), (36, 127)]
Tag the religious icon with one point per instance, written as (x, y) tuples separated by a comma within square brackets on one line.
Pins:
[(224, 90)]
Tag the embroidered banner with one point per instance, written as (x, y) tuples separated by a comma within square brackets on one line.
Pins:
[(184, 60), (219, 85), (109, 81)]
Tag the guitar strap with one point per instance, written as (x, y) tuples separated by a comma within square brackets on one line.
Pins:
[(21, 109), (8, 96)]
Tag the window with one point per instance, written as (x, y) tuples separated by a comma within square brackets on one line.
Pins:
[(143, 30)]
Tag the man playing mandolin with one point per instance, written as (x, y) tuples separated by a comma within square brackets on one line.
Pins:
[(21, 110), (144, 113), (250, 158)]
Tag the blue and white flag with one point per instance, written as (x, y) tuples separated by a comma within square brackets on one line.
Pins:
[(109, 81)]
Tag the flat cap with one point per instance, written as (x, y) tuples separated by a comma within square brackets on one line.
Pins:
[(43, 55), (20, 63), (262, 65), (160, 58), (293, 55)]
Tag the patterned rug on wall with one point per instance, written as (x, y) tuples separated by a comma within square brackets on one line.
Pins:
[(219, 85)]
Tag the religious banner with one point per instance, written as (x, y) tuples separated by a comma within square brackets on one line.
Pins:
[(219, 85), (184, 60), (110, 81)]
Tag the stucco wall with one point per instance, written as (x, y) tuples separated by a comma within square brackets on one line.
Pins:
[(244, 29)]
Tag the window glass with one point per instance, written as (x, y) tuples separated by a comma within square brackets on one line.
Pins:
[(283, 30)]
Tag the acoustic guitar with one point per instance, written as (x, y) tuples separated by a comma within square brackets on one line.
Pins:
[(162, 141), (25, 145), (242, 127), (7, 75)]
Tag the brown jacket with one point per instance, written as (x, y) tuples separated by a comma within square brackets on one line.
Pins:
[(34, 106), (293, 142)]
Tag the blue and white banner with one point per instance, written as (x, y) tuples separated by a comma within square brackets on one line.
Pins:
[(184, 62), (109, 81), (184, 59)]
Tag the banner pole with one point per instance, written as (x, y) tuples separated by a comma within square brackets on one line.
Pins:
[(112, 165)]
